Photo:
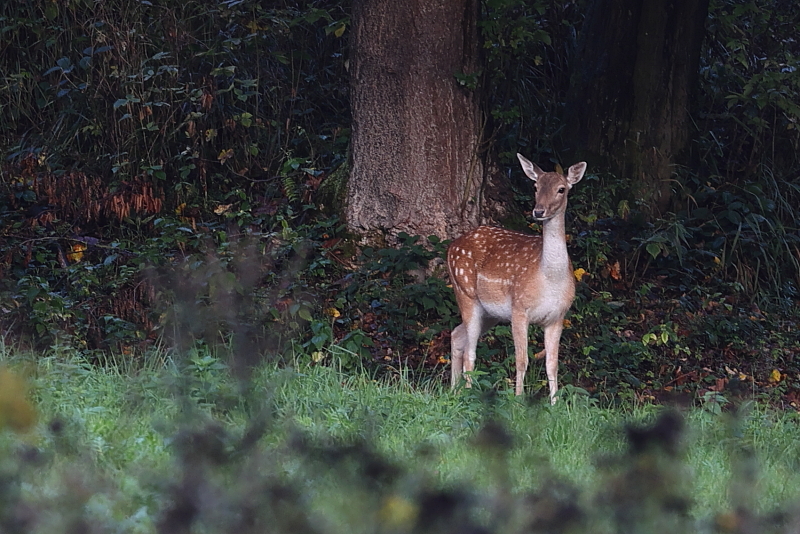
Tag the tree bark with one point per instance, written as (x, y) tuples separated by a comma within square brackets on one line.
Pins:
[(416, 165), (636, 70)]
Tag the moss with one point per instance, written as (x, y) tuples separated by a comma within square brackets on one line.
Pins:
[(332, 193)]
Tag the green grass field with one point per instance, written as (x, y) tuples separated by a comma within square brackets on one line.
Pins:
[(167, 447)]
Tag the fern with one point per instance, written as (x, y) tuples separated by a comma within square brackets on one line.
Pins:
[(291, 189)]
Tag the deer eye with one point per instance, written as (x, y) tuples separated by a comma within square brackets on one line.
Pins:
[(561, 190)]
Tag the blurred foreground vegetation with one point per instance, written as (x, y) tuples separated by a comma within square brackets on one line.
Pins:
[(185, 446)]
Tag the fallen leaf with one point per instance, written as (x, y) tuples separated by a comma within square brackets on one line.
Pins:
[(614, 271), (222, 208), (775, 376), (76, 254)]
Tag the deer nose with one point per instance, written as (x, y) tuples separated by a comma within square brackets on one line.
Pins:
[(538, 214)]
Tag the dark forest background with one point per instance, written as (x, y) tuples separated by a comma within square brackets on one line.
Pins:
[(173, 173)]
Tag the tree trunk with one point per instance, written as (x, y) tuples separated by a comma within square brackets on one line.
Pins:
[(636, 69), (416, 165)]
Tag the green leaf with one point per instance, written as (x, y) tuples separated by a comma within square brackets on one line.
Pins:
[(654, 249), (51, 10), (319, 340)]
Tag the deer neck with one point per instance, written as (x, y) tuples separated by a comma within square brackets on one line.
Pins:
[(555, 257)]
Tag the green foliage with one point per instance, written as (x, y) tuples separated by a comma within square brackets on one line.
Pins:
[(112, 116), (389, 307), (738, 237), (526, 50), (610, 353), (169, 88), (208, 382), (750, 83), (741, 205)]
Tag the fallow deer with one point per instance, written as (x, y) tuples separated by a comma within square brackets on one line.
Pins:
[(502, 275)]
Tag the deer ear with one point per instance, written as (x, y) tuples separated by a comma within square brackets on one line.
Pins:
[(531, 169), (575, 173)]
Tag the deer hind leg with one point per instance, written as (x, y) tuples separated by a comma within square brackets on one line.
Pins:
[(475, 329), (552, 338), (458, 344), (464, 344), (519, 330)]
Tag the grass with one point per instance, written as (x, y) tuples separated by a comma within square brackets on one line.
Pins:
[(114, 448)]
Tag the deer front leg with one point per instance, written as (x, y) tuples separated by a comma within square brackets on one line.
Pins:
[(552, 337), (519, 330)]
